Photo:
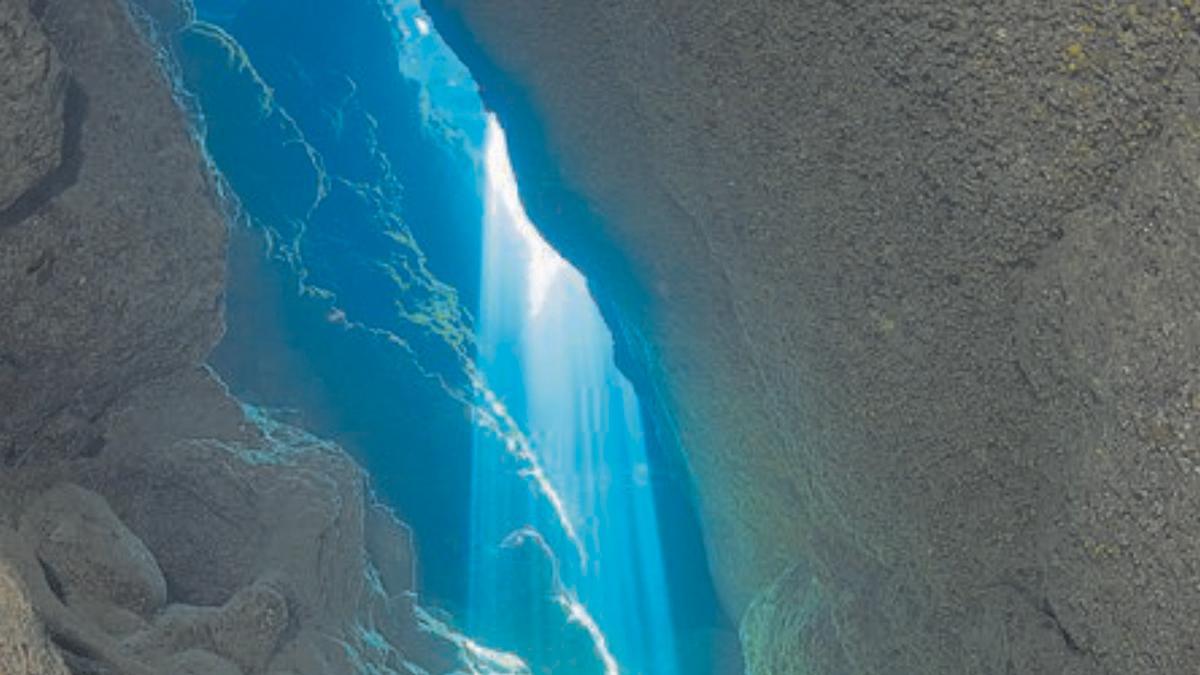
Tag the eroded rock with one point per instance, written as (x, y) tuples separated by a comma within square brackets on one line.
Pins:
[(90, 554), (32, 89), (115, 278), (24, 646), (257, 526), (245, 631), (200, 662)]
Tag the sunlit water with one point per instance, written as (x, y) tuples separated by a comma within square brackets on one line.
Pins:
[(541, 336), (403, 284)]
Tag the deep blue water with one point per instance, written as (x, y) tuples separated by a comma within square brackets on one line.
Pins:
[(388, 291)]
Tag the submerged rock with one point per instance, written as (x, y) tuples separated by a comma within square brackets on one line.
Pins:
[(31, 107), (244, 632), (25, 648), (917, 281), (89, 554), (313, 576), (200, 662), (113, 275)]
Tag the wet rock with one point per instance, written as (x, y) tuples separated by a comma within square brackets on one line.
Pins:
[(200, 662), (24, 647), (933, 256), (390, 547), (32, 88), (89, 554), (168, 15), (109, 618), (257, 526), (114, 276), (245, 631)]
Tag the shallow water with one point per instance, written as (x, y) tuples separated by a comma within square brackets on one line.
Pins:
[(387, 290)]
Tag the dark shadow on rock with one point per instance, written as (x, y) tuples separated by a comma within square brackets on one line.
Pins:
[(75, 109)]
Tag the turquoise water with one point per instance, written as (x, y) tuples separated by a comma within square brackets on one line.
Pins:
[(388, 290), (594, 521)]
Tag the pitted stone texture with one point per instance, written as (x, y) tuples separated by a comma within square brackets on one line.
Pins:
[(245, 631), (924, 324), (24, 646), (200, 662), (32, 87), (92, 556), (113, 277), (249, 518)]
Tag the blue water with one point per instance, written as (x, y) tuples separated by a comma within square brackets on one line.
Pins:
[(388, 290)]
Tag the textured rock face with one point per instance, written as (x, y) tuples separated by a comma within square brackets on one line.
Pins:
[(31, 105), (24, 646), (111, 272), (275, 558), (90, 553), (917, 279)]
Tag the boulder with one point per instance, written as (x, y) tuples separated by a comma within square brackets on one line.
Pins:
[(24, 646), (200, 662), (111, 273), (32, 90), (244, 631), (89, 554)]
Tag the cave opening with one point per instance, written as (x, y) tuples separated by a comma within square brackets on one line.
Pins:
[(388, 291)]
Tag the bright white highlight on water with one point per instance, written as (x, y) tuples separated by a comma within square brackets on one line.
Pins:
[(481, 660), (565, 597), (503, 203), (544, 346), (566, 557)]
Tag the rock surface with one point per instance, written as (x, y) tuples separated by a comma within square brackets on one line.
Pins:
[(275, 557), (90, 554), (113, 275), (31, 105), (918, 278), (24, 647)]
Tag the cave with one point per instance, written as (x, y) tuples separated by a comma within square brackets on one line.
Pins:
[(635, 337)]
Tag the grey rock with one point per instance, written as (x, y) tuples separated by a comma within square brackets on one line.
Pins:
[(113, 277), (32, 90), (924, 324), (85, 648), (108, 617), (200, 662), (91, 555), (390, 546), (257, 527), (168, 15), (245, 631), (25, 648)]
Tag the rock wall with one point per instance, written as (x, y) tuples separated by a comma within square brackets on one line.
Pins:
[(111, 251), (919, 279), (206, 538), (150, 523)]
